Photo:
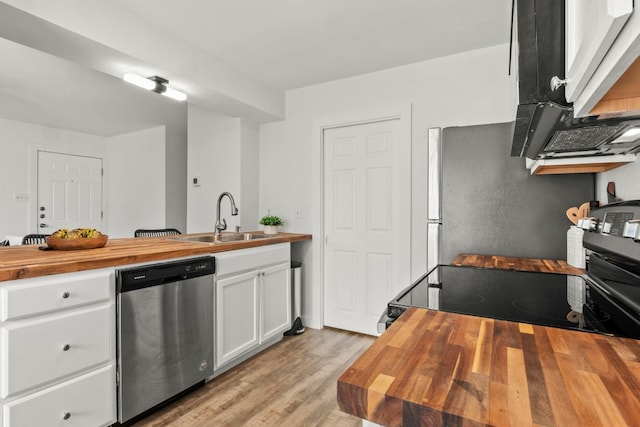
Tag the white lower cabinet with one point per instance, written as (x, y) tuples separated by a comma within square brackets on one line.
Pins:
[(57, 350), (52, 347), (83, 401), (236, 316), (253, 301), (275, 292)]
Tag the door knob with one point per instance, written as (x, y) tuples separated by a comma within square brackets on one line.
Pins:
[(43, 225), (42, 208)]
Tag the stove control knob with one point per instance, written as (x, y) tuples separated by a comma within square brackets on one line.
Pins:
[(590, 224), (631, 229)]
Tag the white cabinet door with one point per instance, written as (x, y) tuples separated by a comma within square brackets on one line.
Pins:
[(36, 351), (275, 291), (236, 316), (84, 401), (591, 28), (40, 295)]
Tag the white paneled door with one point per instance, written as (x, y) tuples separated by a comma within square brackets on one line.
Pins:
[(69, 192), (366, 222)]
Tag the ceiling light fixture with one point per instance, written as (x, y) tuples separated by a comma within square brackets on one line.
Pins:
[(155, 84)]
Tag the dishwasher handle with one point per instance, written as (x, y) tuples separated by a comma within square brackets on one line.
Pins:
[(130, 279)]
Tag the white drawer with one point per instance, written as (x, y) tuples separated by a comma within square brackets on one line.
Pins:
[(39, 295), (33, 351), (85, 401), (252, 258)]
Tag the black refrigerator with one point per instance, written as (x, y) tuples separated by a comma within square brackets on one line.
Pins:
[(483, 201)]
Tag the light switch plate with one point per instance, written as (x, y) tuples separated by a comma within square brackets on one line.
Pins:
[(21, 197)]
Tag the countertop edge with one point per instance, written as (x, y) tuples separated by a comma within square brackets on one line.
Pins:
[(20, 262)]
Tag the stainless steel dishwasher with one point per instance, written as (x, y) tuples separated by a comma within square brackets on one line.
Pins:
[(165, 331)]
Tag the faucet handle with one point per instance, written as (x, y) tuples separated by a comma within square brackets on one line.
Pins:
[(237, 229), (221, 225)]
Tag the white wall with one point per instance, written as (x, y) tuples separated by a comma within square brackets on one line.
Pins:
[(250, 168), (135, 173), (176, 176), (626, 178), (466, 89), (223, 153), (213, 157), (16, 140)]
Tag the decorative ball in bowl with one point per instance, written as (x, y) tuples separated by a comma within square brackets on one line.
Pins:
[(78, 238)]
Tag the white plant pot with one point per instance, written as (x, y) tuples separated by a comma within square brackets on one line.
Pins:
[(270, 229)]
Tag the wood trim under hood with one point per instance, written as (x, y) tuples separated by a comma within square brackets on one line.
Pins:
[(623, 99), (578, 164)]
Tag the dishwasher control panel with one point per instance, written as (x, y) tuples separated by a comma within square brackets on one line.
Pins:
[(164, 272)]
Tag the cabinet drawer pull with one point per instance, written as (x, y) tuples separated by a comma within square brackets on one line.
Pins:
[(66, 347), (65, 294), (66, 415)]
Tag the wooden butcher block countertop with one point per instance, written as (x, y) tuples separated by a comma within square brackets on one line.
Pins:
[(433, 368), (18, 262), (515, 263)]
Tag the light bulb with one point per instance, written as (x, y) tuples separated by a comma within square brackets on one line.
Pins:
[(174, 94), (137, 80)]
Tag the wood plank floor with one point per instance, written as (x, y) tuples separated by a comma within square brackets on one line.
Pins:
[(293, 383)]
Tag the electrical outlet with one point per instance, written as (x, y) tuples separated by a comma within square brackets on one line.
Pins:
[(21, 197), (298, 213)]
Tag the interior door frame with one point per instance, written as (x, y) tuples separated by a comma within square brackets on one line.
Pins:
[(366, 115), (34, 149)]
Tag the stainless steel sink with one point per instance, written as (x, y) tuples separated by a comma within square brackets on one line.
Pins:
[(225, 238)]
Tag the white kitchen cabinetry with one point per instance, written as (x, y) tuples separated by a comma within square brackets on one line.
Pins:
[(236, 316), (602, 42), (275, 298), (57, 358), (253, 301)]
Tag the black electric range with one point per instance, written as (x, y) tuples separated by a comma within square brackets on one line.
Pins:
[(606, 300), (531, 297)]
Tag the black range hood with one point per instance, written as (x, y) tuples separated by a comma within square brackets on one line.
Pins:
[(545, 126)]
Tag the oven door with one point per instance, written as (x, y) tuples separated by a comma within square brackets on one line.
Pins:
[(613, 299), (604, 314)]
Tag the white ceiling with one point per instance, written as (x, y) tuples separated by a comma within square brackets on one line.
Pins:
[(295, 43), (285, 44), (40, 88)]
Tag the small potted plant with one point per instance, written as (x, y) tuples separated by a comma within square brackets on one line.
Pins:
[(271, 224)]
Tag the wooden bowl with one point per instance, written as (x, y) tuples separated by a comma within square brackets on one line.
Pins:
[(77, 243)]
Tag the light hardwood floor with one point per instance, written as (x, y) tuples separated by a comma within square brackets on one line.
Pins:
[(292, 383)]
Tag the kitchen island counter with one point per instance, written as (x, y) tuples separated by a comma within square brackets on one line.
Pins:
[(437, 368), (19, 262)]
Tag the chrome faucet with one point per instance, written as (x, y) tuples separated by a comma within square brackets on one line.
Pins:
[(222, 225)]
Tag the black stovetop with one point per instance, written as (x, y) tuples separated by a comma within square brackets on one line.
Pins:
[(528, 297)]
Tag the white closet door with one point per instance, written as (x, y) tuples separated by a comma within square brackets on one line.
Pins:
[(366, 222)]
